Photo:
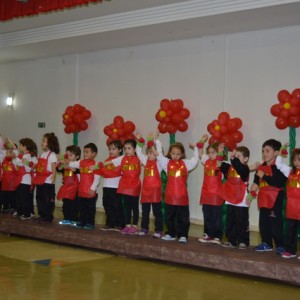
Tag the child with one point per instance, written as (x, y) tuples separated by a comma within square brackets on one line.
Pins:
[(269, 181), (87, 190), (293, 208), (211, 199), (2, 155), (176, 167), (45, 178), (68, 191), (24, 178), (151, 189), (130, 185), (112, 201), (8, 183), (234, 191)]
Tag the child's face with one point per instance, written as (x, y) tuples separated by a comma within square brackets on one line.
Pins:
[(9, 152), (44, 144), (114, 151), (22, 148), (269, 154), (71, 156), (129, 150), (175, 153), (296, 162), (239, 155), (212, 153), (151, 155), (88, 153)]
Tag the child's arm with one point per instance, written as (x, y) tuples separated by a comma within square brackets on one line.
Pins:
[(162, 160), (140, 143), (73, 164), (95, 184), (53, 176), (200, 145), (252, 193), (283, 167), (193, 162)]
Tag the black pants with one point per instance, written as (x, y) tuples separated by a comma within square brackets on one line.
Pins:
[(131, 204), (291, 237), (70, 209), (237, 225), (9, 200), (45, 199), (271, 223), (87, 210), (156, 208), (212, 215), (113, 206), (24, 200), (177, 220), (31, 199)]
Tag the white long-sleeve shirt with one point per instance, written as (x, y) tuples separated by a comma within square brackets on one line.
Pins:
[(144, 158)]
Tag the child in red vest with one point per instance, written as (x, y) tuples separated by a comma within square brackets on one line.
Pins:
[(2, 155), (8, 182), (234, 192), (24, 166), (130, 184), (210, 199), (269, 181), (45, 178), (112, 201), (87, 190), (176, 167), (151, 189), (68, 191), (293, 208)]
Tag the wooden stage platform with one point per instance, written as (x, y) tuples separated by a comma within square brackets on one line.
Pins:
[(209, 256)]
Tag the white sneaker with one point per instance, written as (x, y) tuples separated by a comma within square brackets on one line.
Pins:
[(183, 239), (167, 237), (242, 246), (215, 241)]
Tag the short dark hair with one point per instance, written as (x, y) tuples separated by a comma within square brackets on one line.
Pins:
[(91, 146), (275, 145), (75, 150), (117, 144), (30, 145), (131, 142), (244, 150)]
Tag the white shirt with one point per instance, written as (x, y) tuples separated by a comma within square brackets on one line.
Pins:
[(51, 159), (144, 158), (26, 179)]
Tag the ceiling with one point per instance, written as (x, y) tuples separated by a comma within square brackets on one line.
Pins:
[(123, 23)]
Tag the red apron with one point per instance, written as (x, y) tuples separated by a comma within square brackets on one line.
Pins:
[(86, 178), (21, 171), (130, 183), (234, 189), (110, 171), (176, 189), (70, 185), (267, 194), (41, 170), (151, 191), (293, 196), (9, 175), (212, 184)]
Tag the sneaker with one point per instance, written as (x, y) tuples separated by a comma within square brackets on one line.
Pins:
[(242, 246), (132, 230), (216, 241), (78, 225), (65, 222), (157, 235), (205, 239), (143, 232), (107, 228), (167, 237), (183, 239), (263, 247), (125, 230), (280, 250), (89, 226), (25, 218), (228, 245), (288, 255), (16, 215)]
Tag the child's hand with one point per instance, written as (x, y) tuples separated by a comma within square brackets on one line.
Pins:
[(138, 135), (92, 168), (255, 166), (192, 146), (260, 173), (233, 154), (204, 138), (156, 135), (92, 193)]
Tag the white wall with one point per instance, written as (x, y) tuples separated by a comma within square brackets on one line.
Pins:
[(238, 73)]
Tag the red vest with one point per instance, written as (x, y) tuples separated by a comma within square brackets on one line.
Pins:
[(267, 194), (21, 171), (130, 183), (293, 196), (151, 191), (110, 171), (234, 189), (41, 170), (176, 189), (212, 184), (9, 175), (86, 178), (70, 185)]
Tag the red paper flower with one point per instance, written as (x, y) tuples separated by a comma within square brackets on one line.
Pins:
[(75, 118), (225, 130), (119, 130), (287, 110), (171, 116)]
